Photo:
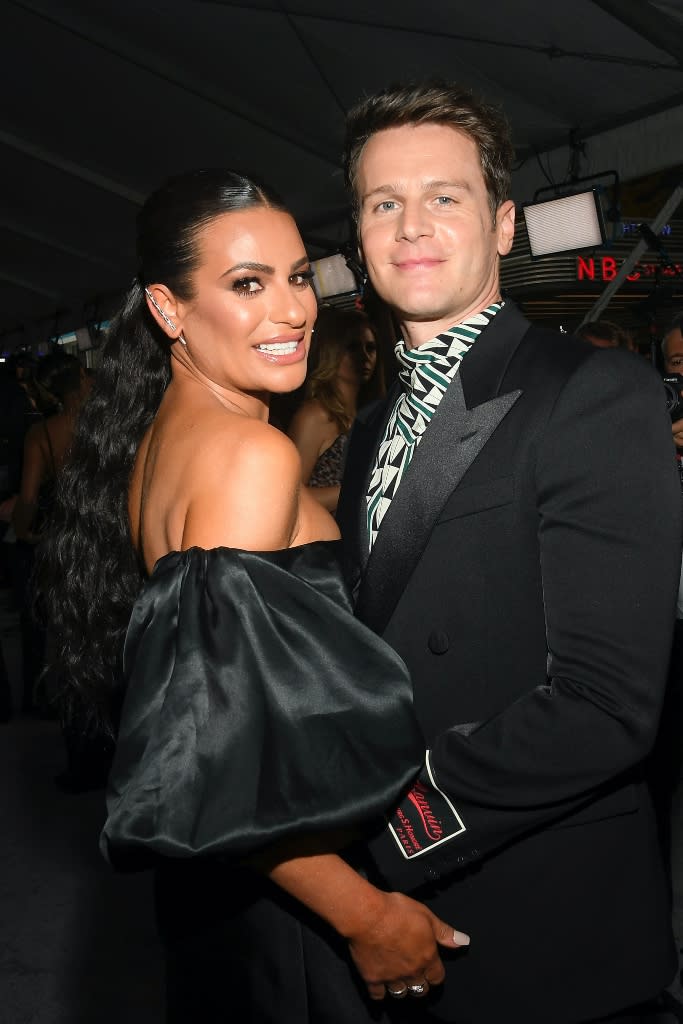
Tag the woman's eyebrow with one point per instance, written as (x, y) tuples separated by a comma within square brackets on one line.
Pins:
[(263, 268), (259, 268)]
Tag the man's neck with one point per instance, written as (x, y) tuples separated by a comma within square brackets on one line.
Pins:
[(417, 332)]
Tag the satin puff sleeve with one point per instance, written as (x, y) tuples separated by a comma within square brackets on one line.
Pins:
[(257, 708)]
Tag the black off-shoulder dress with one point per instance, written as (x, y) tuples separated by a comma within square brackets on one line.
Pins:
[(257, 709)]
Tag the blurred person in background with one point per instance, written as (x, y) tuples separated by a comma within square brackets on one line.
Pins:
[(62, 378), (23, 405), (672, 356), (605, 334), (342, 375), (668, 765), (59, 383), (32, 470)]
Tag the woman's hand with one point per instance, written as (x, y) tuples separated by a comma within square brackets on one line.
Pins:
[(397, 947), (393, 939)]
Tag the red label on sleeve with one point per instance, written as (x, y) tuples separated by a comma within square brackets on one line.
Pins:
[(425, 818)]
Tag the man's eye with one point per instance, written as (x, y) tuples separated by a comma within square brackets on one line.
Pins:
[(387, 204), (444, 200), (247, 286)]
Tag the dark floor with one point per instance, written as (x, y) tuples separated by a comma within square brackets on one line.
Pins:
[(77, 942)]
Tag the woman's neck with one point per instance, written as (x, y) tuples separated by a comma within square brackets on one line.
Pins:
[(254, 405)]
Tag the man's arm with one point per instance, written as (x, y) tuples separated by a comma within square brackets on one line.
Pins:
[(609, 528)]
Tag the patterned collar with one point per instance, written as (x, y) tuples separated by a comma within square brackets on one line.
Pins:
[(426, 373), (437, 358)]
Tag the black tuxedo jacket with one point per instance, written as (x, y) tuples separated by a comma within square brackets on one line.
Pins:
[(526, 571)]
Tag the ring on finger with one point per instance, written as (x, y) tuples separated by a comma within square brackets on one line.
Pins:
[(419, 989), (398, 993)]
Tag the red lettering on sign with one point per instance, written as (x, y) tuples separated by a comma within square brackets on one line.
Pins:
[(585, 268), (609, 268)]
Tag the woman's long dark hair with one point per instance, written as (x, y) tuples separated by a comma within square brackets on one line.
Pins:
[(90, 574)]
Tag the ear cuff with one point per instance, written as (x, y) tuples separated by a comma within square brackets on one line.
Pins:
[(164, 316)]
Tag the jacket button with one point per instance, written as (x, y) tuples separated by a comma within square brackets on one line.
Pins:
[(438, 642)]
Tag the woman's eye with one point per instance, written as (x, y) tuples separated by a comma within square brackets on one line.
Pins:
[(247, 286), (302, 279)]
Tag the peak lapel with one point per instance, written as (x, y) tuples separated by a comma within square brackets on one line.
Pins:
[(455, 437), (368, 430)]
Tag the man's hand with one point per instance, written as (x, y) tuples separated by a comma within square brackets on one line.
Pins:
[(397, 947), (677, 431)]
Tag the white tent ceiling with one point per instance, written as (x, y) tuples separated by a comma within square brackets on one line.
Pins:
[(104, 99)]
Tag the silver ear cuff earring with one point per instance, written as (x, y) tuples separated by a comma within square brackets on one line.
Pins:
[(161, 313)]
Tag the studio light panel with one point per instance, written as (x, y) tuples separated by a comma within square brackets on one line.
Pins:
[(565, 224)]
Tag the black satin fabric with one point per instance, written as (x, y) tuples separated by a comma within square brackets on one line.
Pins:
[(257, 708)]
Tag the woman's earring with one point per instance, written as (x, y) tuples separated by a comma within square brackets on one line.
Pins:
[(167, 320)]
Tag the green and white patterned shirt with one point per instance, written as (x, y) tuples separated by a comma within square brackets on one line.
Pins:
[(426, 373)]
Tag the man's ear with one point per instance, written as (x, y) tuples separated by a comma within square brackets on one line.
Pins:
[(505, 226), (359, 240), (165, 309)]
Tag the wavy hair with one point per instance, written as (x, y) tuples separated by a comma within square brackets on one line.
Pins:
[(336, 333), (89, 572)]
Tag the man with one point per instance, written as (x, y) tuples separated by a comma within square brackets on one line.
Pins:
[(512, 527), (669, 761), (672, 345), (605, 334), (672, 351)]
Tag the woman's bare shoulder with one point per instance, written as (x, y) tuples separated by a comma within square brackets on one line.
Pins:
[(244, 489), (243, 447)]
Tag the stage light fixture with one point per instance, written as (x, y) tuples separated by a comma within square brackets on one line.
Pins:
[(566, 223), (332, 276)]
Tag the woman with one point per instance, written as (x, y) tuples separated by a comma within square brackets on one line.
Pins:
[(257, 710), (60, 382), (342, 366), (64, 384), (48, 441)]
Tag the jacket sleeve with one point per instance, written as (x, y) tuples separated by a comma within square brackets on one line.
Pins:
[(609, 538)]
